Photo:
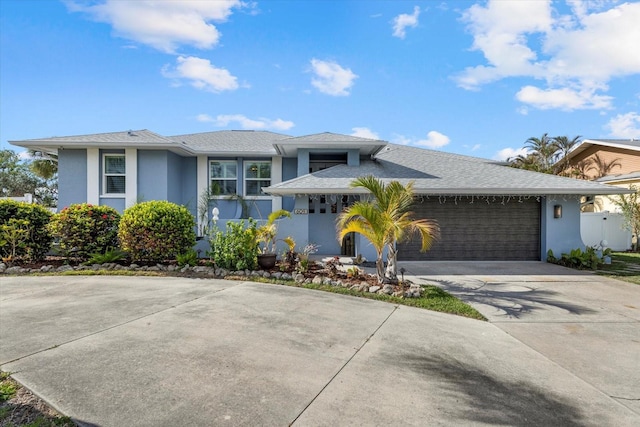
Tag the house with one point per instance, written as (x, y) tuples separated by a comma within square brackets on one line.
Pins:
[(486, 210), (610, 161)]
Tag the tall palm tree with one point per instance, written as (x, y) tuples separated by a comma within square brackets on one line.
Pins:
[(45, 165), (564, 145), (545, 150), (603, 167), (386, 220)]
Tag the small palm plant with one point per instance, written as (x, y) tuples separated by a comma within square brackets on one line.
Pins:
[(267, 233), (386, 220)]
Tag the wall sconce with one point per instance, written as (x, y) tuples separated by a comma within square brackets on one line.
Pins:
[(557, 211)]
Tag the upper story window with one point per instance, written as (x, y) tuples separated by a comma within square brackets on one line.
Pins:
[(256, 176), (114, 174), (224, 176)]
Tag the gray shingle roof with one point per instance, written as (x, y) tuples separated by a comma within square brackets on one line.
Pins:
[(232, 141), (129, 137), (327, 137), (435, 172), (620, 177)]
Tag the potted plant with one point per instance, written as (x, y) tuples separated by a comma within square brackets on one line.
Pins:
[(266, 238)]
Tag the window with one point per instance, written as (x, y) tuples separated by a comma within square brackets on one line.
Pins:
[(256, 176), (224, 176), (114, 174)]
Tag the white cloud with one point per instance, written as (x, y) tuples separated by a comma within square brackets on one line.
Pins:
[(625, 126), (402, 21), (507, 153), (434, 139), (564, 99), (201, 74), (576, 54), (162, 24), (331, 79), (261, 123), (364, 133)]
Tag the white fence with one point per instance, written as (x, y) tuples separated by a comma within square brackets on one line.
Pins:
[(598, 226)]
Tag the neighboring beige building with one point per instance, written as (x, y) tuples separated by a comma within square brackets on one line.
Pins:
[(624, 152)]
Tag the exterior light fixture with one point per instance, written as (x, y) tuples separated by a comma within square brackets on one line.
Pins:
[(557, 211), (216, 213)]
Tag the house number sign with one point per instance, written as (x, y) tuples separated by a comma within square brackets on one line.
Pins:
[(301, 211)]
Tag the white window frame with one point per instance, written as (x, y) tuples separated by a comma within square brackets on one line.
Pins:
[(245, 164), (211, 178), (105, 174)]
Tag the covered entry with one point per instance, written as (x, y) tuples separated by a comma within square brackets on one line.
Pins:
[(479, 228)]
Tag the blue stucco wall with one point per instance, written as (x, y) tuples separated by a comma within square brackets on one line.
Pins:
[(561, 235), (116, 203), (72, 177), (189, 185), (152, 175), (174, 178)]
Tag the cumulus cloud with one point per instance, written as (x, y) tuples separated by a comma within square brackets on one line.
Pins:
[(200, 74), (364, 133), (576, 54), (564, 98), (507, 153), (402, 21), (223, 120), (162, 24), (332, 79), (434, 139), (625, 126)]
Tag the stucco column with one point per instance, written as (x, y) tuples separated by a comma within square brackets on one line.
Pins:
[(131, 180), (276, 178), (202, 178), (93, 176)]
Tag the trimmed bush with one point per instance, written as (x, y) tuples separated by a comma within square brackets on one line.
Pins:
[(237, 249), (84, 230), (156, 231), (35, 242)]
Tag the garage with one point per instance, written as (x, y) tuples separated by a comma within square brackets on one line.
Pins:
[(482, 229)]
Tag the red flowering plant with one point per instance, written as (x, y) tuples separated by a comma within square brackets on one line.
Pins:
[(83, 230)]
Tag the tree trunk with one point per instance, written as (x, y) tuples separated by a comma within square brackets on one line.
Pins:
[(380, 268), (391, 273)]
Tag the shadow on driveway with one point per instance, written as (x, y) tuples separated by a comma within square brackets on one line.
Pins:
[(509, 299), (490, 400)]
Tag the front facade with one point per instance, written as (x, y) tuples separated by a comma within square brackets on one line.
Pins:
[(485, 209)]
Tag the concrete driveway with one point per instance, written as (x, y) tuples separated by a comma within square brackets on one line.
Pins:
[(113, 351)]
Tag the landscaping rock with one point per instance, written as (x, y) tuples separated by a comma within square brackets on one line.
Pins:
[(307, 281), (134, 266), (286, 276), (64, 268), (46, 268), (184, 269), (276, 275), (317, 280), (266, 275), (326, 281), (3, 267), (387, 289), (255, 274), (14, 270), (172, 267), (154, 268), (374, 289)]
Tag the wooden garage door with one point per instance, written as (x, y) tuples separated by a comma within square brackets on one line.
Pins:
[(479, 231)]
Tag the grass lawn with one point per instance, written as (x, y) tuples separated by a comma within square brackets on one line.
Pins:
[(624, 266)]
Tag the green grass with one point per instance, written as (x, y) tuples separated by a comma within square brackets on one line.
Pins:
[(620, 267), (8, 388), (433, 298)]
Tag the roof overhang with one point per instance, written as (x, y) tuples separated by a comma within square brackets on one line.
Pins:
[(366, 148), (53, 146), (588, 143)]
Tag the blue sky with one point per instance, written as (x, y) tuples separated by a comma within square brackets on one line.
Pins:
[(475, 78)]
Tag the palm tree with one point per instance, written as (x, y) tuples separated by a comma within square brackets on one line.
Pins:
[(45, 165), (544, 150), (386, 220), (564, 145), (603, 167)]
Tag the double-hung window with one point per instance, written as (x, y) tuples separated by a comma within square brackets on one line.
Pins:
[(256, 175), (224, 176), (114, 174)]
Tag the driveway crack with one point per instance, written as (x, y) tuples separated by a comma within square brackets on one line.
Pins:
[(344, 365)]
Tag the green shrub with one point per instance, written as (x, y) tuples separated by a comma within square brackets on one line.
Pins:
[(36, 241), (577, 258), (189, 258), (156, 231), (84, 229), (110, 255), (237, 249)]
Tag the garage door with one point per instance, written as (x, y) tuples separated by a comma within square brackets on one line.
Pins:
[(479, 230)]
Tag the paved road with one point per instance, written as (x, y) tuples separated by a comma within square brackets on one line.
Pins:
[(143, 351)]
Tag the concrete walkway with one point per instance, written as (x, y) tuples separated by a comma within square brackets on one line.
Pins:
[(113, 351)]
